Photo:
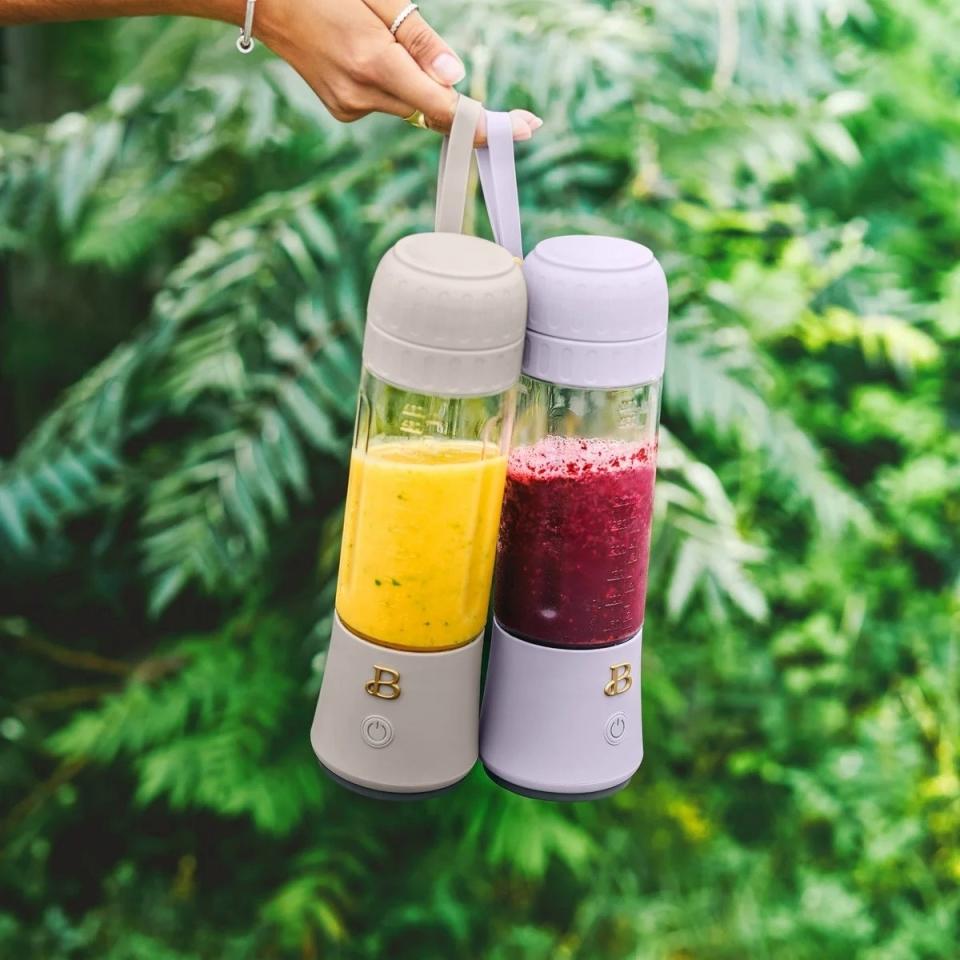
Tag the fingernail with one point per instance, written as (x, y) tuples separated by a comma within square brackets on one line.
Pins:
[(520, 125), (448, 68), (524, 124)]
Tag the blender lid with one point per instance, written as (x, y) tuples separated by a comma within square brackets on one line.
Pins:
[(595, 289), (449, 291), (446, 316)]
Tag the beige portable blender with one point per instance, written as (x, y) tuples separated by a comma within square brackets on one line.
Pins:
[(398, 707)]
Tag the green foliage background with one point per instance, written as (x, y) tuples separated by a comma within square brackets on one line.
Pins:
[(187, 243)]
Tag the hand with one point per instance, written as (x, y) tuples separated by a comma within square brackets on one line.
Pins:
[(344, 50)]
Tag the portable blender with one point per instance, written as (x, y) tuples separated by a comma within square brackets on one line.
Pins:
[(561, 711), (398, 708)]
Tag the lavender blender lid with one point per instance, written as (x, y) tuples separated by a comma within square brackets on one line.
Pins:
[(597, 312)]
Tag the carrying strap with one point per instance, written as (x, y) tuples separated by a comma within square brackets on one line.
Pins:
[(456, 159), (498, 178), (498, 175)]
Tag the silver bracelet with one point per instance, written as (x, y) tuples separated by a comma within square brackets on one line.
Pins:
[(245, 40)]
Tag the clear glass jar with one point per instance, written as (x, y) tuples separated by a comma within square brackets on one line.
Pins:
[(574, 540), (422, 514)]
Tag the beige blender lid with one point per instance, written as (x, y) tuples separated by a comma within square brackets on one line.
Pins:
[(447, 312)]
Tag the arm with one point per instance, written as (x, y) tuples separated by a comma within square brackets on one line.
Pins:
[(342, 48), (13, 12)]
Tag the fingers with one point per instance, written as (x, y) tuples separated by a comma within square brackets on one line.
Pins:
[(402, 78), (428, 49), (384, 103), (524, 124)]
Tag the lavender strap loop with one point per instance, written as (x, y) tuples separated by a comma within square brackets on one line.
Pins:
[(498, 178)]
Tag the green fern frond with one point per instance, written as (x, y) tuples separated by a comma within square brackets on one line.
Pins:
[(708, 380), (212, 734), (313, 903), (38, 498), (698, 547), (510, 832), (881, 338), (289, 384)]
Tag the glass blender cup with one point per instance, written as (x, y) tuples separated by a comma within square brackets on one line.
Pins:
[(398, 707), (561, 713)]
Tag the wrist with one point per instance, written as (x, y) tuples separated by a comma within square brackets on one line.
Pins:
[(269, 16), (271, 21)]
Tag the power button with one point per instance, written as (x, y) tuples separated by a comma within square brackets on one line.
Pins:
[(376, 731), (615, 728)]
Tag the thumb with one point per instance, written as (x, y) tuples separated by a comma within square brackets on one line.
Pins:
[(431, 52)]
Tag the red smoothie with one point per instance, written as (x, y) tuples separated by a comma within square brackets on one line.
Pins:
[(575, 541)]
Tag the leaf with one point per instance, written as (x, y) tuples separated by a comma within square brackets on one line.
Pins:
[(165, 588), (318, 233), (11, 521), (710, 382), (284, 453), (311, 417), (257, 473)]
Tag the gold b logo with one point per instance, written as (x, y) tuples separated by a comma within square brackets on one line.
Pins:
[(621, 680), (385, 684)]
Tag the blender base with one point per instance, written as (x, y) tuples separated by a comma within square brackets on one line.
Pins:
[(393, 797), (561, 724), (397, 723), (556, 797)]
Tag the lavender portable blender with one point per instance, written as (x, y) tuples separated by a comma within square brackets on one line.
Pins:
[(561, 712)]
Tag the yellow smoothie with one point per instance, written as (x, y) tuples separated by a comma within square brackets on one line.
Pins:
[(419, 538)]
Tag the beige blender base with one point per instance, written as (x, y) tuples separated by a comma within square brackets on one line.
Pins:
[(397, 723)]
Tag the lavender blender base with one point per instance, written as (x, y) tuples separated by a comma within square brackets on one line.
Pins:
[(554, 797), (549, 730), (419, 743)]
